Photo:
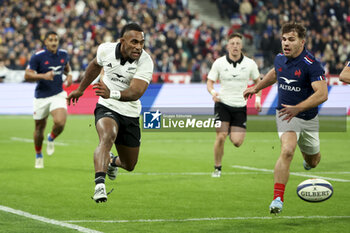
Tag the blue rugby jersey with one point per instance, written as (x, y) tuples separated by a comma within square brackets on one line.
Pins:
[(44, 61), (294, 78), (348, 63)]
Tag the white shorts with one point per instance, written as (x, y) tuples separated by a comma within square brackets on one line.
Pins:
[(43, 106), (306, 130)]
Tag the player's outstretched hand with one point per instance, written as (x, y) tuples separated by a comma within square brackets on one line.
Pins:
[(288, 111), (101, 89), (74, 96), (249, 92)]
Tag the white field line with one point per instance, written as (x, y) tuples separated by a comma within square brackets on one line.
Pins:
[(31, 141), (344, 173), (205, 173), (207, 219), (184, 173), (292, 173), (47, 220), (149, 140)]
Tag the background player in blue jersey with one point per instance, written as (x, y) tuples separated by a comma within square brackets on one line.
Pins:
[(301, 88), (345, 74), (46, 67)]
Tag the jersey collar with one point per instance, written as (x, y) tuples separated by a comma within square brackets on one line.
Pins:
[(118, 55), (292, 60), (50, 53), (234, 63)]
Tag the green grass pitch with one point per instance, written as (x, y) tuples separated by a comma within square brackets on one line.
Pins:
[(170, 190)]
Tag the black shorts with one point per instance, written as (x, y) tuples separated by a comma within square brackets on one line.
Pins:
[(129, 127), (237, 116)]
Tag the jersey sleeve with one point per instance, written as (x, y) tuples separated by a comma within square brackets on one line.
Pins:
[(101, 54), (144, 68), (254, 72), (348, 64), (275, 62), (65, 56), (214, 72), (34, 63), (316, 72)]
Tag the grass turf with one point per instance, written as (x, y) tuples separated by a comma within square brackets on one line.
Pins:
[(171, 186)]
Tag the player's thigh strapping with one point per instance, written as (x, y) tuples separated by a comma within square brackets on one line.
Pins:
[(43, 106), (236, 116), (306, 131), (128, 127)]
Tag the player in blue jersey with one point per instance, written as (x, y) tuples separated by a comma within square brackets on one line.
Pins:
[(345, 74), (46, 67), (301, 88)]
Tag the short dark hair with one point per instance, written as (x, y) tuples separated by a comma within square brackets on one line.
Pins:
[(294, 27), (130, 27), (235, 34), (49, 33)]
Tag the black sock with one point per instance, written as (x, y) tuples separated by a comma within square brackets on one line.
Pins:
[(217, 167), (113, 164), (100, 177)]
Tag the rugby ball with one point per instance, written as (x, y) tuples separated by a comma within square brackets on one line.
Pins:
[(315, 190)]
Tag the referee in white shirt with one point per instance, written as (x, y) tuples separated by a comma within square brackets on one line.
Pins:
[(127, 72), (233, 71)]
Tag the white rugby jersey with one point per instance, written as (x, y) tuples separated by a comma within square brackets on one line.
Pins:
[(118, 77), (234, 80)]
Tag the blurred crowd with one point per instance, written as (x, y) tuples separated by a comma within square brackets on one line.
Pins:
[(177, 39), (327, 21)]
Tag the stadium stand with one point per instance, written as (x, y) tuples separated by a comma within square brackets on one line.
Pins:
[(178, 39), (328, 23)]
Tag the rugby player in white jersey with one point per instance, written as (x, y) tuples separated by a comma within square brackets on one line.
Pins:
[(127, 73), (233, 71)]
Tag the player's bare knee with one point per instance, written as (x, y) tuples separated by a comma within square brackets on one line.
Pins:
[(221, 137), (314, 161), (59, 122), (287, 152), (236, 142), (129, 167), (107, 139)]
